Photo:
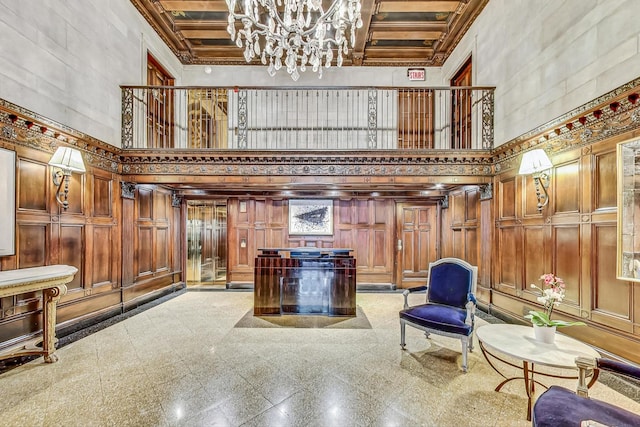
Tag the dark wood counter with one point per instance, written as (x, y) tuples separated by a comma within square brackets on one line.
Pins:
[(308, 281)]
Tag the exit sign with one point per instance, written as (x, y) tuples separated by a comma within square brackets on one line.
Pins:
[(416, 73)]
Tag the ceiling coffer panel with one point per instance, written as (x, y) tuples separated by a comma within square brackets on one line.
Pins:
[(394, 33)]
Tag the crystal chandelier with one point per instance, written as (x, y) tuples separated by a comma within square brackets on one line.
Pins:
[(299, 34)]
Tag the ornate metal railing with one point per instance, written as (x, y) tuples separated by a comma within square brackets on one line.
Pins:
[(373, 118)]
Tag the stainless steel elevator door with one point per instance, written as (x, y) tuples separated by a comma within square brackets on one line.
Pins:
[(206, 242)]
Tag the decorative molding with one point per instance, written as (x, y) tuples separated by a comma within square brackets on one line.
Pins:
[(176, 200), (612, 114), (444, 203), (128, 190), (302, 165), (486, 192), (28, 129)]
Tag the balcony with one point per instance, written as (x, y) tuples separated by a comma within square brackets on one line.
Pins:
[(307, 119)]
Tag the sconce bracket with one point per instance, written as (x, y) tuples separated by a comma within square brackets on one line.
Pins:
[(61, 177)]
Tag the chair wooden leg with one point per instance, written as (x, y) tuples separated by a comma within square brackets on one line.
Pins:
[(471, 343), (464, 353)]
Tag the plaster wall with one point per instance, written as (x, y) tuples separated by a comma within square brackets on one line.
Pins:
[(547, 57), (66, 60), (242, 75)]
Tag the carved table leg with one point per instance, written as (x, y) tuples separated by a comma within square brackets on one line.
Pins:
[(50, 298)]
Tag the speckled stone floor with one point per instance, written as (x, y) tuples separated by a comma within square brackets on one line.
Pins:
[(184, 362)]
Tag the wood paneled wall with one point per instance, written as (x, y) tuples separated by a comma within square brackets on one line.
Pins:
[(88, 236), (573, 237), (364, 225)]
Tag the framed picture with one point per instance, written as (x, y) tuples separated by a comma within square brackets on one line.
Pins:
[(311, 217), (8, 202)]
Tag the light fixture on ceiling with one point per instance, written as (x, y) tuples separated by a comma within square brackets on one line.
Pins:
[(299, 34), (537, 163), (65, 161)]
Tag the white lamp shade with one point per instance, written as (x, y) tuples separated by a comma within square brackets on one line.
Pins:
[(534, 161), (68, 158)]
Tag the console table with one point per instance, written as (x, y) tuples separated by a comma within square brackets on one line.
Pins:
[(308, 281), (52, 281), (518, 342)]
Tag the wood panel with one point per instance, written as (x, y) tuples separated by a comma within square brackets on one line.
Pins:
[(605, 191), (611, 296), (32, 185), (32, 243), (566, 259), (575, 237), (102, 255), (365, 225), (507, 198), (564, 189), (534, 256), (102, 196), (71, 252)]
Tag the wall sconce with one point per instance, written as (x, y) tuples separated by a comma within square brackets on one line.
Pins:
[(65, 161), (537, 163)]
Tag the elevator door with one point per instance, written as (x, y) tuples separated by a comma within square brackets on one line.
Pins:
[(206, 243)]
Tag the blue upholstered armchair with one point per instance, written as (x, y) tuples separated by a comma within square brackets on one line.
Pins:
[(450, 305), (558, 406)]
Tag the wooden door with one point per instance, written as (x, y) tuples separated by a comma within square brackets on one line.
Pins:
[(160, 120), (417, 238), (415, 117), (461, 103)]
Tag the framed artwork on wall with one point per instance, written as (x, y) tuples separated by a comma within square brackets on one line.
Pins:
[(311, 217), (8, 202)]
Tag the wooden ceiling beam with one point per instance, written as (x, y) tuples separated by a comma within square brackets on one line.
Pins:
[(405, 35), (374, 52), (196, 6), (440, 27), (362, 34), (206, 34), (387, 6)]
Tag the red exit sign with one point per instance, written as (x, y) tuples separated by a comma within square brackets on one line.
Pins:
[(416, 73)]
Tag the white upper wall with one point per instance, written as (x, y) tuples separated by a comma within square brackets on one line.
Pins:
[(547, 57), (67, 59), (195, 75)]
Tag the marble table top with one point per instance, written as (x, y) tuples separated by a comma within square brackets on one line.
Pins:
[(518, 341), (22, 276)]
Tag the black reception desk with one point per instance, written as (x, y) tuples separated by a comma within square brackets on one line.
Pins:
[(318, 281)]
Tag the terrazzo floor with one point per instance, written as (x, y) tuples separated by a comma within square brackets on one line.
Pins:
[(185, 363)]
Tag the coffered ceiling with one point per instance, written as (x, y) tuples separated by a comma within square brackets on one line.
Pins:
[(394, 32)]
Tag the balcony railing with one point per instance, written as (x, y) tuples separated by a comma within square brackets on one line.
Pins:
[(307, 118)]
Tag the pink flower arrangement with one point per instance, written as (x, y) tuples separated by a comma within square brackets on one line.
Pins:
[(551, 295)]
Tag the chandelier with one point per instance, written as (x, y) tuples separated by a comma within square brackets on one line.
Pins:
[(299, 34)]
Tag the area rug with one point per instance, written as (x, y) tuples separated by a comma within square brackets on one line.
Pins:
[(305, 321)]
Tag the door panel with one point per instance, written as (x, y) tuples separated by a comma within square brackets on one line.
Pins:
[(416, 242)]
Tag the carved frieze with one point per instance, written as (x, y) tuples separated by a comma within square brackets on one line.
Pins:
[(370, 166), (176, 200), (486, 192), (611, 114), (28, 129), (128, 190)]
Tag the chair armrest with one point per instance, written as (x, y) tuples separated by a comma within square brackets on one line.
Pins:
[(586, 366), (406, 293), (617, 367)]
